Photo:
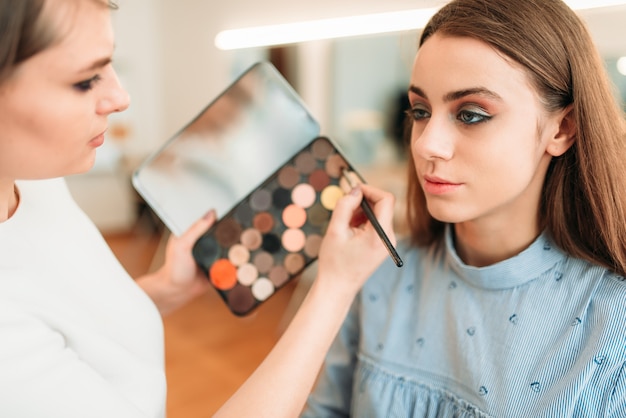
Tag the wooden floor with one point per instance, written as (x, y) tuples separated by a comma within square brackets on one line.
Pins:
[(209, 351)]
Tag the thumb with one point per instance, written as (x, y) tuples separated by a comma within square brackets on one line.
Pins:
[(347, 205), (198, 228)]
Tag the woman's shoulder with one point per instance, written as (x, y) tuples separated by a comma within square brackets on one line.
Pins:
[(600, 276), (414, 257), (612, 286), (606, 288)]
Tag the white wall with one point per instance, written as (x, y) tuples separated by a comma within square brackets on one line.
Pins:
[(137, 61)]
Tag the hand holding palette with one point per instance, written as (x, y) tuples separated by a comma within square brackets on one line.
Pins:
[(276, 231), (254, 155)]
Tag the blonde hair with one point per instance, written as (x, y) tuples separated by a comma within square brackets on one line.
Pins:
[(25, 31), (583, 203)]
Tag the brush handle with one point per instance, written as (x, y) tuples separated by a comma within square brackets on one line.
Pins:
[(367, 209)]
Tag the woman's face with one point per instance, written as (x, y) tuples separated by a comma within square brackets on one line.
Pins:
[(480, 137), (54, 108)]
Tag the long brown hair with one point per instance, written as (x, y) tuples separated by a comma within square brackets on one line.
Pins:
[(583, 203)]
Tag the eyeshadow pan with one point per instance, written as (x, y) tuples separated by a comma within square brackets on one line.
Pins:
[(271, 243), (227, 232), (278, 275), (244, 213), (263, 262), (319, 179), (330, 195), (288, 177), (294, 262), (240, 299), (312, 245), (293, 240), (223, 274), (261, 200), (263, 221), (303, 195), (305, 163), (262, 289), (251, 238), (238, 254), (321, 149), (247, 274), (334, 164), (276, 231), (209, 250), (354, 177), (281, 198), (294, 216), (318, 215)]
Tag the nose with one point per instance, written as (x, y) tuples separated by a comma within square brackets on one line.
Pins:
[(432, 140), (115, 97)]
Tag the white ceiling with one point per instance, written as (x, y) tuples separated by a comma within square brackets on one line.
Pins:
[(242, 13), (608, 25)]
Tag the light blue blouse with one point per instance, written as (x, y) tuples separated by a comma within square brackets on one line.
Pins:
[(539, 335)]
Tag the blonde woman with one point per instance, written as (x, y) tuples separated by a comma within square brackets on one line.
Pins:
[(78, 336)]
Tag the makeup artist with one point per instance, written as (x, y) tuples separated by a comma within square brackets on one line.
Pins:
[(512, 299), (78, 336)]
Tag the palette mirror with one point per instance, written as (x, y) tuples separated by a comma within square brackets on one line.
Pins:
[(227, 150)]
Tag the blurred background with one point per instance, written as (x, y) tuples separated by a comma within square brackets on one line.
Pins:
[(354, 86)]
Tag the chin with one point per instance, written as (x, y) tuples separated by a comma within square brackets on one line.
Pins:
[(448, 214), (81, 168), (88, 164)]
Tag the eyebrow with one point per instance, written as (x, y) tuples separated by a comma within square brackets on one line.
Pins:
[(456, 95), (97, 64)]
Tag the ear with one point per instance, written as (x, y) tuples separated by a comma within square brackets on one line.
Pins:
[(565, 135)]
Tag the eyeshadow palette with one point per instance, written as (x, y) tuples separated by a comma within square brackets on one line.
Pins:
[(255, 155), (269, 237)]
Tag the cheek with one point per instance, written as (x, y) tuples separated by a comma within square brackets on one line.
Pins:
[(506, 171), (415, 145), (44, 142)]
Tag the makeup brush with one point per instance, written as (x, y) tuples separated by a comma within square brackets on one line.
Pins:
[(367, 209)]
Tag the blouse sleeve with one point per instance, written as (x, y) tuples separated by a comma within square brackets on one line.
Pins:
[(333, 392), (40, 376), (618, 397)]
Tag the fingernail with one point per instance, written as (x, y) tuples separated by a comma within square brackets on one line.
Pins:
[(210, 215), (355, 191)]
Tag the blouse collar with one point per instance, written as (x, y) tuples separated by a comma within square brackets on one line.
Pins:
[(541, 256)]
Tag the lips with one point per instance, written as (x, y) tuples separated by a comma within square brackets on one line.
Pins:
[(98, 140), (439, 186)]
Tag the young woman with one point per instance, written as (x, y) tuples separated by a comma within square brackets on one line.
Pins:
[(78, 336), (512, 301)]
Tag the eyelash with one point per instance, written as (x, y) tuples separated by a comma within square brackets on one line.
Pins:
[(466, 117), (87, 85)]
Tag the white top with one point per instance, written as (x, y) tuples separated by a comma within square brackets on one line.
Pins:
[(78, 338)]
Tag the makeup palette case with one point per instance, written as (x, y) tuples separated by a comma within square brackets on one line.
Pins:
[(273, 234), (254, 155)]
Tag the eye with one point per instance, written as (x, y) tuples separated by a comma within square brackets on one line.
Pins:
[(472, 117), (87, 85), (418, 112)]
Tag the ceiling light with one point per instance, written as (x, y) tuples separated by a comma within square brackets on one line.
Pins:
[(260, 36), (323, 29)]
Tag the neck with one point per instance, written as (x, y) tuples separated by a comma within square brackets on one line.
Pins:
[(9, 199), (480, 247)]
